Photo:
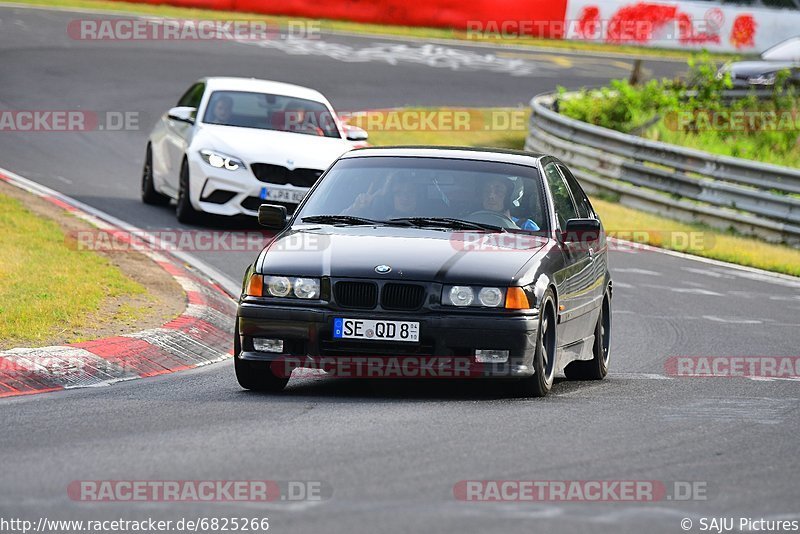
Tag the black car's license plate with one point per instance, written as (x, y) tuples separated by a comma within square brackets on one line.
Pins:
[(375, 330)]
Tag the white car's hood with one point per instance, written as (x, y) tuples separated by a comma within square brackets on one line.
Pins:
[(253, 145)]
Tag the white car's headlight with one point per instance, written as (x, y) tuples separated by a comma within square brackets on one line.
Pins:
[(221, 161)]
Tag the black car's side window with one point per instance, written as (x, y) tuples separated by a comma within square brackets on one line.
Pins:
[(585, 210), (193, 96), (562, 200)]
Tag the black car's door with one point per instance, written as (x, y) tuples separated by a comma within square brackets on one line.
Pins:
[(575, 278), (598, 250)]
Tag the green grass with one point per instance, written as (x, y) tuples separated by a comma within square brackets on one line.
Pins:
[(765, 130), (47, 288), (776, 148), (371, 29), (617, 219)]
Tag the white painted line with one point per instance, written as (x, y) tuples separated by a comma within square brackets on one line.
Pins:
[(633, 270)]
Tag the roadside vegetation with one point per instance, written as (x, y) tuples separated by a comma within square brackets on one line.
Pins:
[(496, 39), (51, 292), (618, 219), (693, 113)]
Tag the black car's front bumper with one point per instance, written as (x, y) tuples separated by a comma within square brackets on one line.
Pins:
[(307, 336)]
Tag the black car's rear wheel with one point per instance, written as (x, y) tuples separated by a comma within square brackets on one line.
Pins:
[(544, 359), (597, 367), (149, 193)]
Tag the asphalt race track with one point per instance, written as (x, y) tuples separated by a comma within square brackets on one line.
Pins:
[(391, 453)]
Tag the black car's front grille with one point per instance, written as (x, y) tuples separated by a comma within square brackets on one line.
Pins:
[(402, 296), (356, 294), (276, 174)]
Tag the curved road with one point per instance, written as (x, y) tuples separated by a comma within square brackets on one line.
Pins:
[(391, 454)]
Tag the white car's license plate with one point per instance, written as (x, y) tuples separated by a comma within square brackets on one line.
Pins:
[(375, 330), (282, 194)]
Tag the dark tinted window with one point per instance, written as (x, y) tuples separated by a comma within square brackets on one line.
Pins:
[(394, 187), (193, 96), (562, 200), (264, 111), (584, 207)]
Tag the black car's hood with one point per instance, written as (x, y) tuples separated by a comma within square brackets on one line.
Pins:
[(412, 254)]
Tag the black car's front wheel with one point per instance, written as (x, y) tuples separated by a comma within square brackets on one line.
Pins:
[(258, 376), (255, 376), (597, 367), (544, 359)]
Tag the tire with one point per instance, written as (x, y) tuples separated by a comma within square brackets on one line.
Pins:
[(184, 210), (149, 193), (255, 376), (544, 359), (597, 367), (258, 376)]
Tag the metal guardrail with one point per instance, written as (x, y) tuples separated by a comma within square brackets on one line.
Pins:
[(724, 192)]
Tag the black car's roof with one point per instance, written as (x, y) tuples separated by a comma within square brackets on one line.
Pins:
[(479, 154)]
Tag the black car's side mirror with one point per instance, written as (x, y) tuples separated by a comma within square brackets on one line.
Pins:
[(272, 216), (581, 231)]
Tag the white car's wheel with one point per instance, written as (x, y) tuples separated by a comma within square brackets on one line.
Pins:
[(184, 209), (149, 193)]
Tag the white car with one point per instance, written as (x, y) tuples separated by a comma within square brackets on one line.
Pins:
[(232, 144)]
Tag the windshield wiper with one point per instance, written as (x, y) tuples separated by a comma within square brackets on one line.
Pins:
[(339, 219), (449, 222), (349, 219)]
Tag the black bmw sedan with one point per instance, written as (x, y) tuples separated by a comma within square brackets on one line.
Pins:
[(431, 262)]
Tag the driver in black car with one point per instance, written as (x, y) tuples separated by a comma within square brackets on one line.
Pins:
[(496, 196)]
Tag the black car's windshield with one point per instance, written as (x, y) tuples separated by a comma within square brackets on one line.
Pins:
[(270, 112), (431, 192)]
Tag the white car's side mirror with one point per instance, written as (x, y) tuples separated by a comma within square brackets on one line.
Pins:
[(183, 114), (354, 133)]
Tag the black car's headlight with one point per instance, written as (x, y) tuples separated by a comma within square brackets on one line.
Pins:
[(463, 296), (219, 160), (485, 297), (284, 287)]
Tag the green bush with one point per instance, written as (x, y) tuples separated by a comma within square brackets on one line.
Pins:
[(683, 112)]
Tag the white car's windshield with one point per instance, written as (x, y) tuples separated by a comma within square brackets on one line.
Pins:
[(270, 112), (402, 188), (786, 51)]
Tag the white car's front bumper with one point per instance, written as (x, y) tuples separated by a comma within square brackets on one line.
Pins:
[(223, 192)]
